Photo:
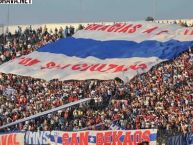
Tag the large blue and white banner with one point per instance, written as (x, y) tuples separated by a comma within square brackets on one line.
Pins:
[(105, 52)]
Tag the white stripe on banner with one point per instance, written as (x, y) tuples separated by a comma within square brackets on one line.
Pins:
[(51, 66), (136, 31)]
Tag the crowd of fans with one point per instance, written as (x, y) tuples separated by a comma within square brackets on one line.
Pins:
[(26, 41), (180, 22), (161, 98)]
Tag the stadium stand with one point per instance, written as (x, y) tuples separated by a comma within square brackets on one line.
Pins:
[(162, 98), (26, 41)]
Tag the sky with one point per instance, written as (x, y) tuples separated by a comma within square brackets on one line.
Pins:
[(62, 11)]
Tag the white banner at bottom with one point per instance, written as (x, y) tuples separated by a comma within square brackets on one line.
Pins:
[(121, 137)]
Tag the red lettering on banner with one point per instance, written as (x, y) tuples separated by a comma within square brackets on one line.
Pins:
[(114, 27), (81, 67), (127, 139), (107, 139), (125, 29), (150, 30), (85, 67), (65, 139), (130, 28), (28, 61), (101, 67), (137, 137), (49, 65), (133, 30), (90, 26), (103, 28), (84, 138), (96, 27), (10, 139), (120, 68), (99, 139), (76, 67), (123, 25), (111, 66), (32, 62), (4, 139), (52, 65), (186, 32), (114, 68), (146, 135), (116, 138), (164, 31), (65, 66), (15, 142), (24, 60), (133, 67), (136, 67), (142, 66), (74, 140), (93, 68)]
